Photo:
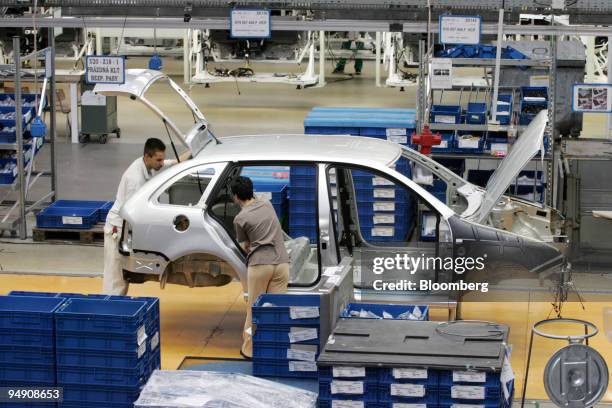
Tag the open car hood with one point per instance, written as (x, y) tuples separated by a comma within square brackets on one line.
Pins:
[(138, 81), (523, 150)]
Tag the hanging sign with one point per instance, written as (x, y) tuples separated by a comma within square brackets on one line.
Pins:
[(441, 73), (248, 23), (460, 30), (105, 69)]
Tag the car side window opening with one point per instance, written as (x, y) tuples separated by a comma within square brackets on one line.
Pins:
[(292, 191), (379, 217), (189, 188)]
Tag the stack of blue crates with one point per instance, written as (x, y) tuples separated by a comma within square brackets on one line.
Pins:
[(287, 340), (355, 386), (276, 194), (27, 343), (471, 387), (303, 202), (533, 100), (504, 109), (101, 352), (73, 214)]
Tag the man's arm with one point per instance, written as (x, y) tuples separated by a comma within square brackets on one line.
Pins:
[(186, 155), (242, 237)]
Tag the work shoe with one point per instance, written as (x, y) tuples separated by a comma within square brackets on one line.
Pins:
[(338, 71)]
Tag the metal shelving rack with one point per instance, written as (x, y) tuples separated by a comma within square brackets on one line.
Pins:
[(26, 175)]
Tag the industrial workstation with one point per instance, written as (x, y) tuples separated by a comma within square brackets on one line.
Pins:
[(305, 204)]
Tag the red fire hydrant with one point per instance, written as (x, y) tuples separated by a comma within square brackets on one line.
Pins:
[(426, 140)]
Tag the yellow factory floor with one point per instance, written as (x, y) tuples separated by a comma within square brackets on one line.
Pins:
[(208, 321)]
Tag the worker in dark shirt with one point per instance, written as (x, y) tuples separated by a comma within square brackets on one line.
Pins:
[(260, 235)]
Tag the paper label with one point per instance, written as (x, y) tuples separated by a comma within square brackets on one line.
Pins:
[(142, 335), (347, 387), (332, 179), (384, 193), (412, 373), (443, 145), (448, 119), (104, 69), (395, 132), (250, 23), (265, 195), (384, 219), (347, 404), (384, 206), (403, 405), (460, 29), (471, 143), (468, 392), (470, 376), (334, 191), (499, 149), (72, 220), (303, 312), (398, 139), (298, 334), (155, 341), (301, 355), (383, 231), (507, 374), (348, 372), (142, 349), (302, 366), (408, 390), (441, 74), (379, 181)]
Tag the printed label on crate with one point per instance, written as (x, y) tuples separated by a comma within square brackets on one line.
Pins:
[(142, 335), (383, 231), (408, 390), (142, 349), (72, 220), (467, 406), (347, 387), (380, 181), (395, 132), (298, 334), (303, 312), (384, 193), (471, 143), (412, 373), (332, 179), (348, 372), (302, 366), (398, 139), (469, 376), (155, 341), (383, 206), (301, 355), (448, 119), (384, 219), (265, 194), (468, 392), (347, 404), (499, 149), (404, 405), (443, 145)]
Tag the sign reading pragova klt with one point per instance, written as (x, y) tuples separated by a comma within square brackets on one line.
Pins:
[(105, 69)]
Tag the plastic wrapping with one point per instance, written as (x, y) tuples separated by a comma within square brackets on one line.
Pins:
[(205, 389)]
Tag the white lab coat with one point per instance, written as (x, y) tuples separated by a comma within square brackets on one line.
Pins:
[(133, 178)]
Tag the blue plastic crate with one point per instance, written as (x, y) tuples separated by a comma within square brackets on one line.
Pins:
[(280, 335), (297, 219), (447, 144), (448, 114), (303, 206), (491, 379), (382, 219), (101, 316), (370, 392), (280, 313), (430, 397), (369, 208), (19, 355), (100, 395), (296, 231), (152, 311), (366, 404), (104, 210), (331, 130), (7, 178), (278, 368), (423, 376), (101, 359), (492, 397), (476, 113), (29, 405), (303, 181), (392, 309), (302, 193), (277, 352), (31, 293), (116, 377), (27, 337), (28, 312), (97, 341), (65, 217), (82, 296), (275, 193), (471, 147), (382, 193), (30, 373), (326, 374), (83, 404), (302, 171)]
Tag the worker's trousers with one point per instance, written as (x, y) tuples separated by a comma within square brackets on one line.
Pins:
[(113, 273), (262, 279)]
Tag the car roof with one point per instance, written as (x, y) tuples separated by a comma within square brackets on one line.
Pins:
[(299, 147)]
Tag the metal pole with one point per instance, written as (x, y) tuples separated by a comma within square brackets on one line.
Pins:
[(552, 119), (608, 135), (378, 59), (187, 56), (19, 132), (321, 58), (527, 371), (421, 88), (52, 121), (500, 39)]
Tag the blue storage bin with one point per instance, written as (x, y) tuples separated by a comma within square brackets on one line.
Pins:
[(20, 355), (65, 217), (31, 293), (296, 231), (279, 335), (304, 181), (82, 296), (302, 193), (100, 395), (303, 206), (447, 144), (28, 312), (326, 374), (492, 380), (387, 377), (366, 404), (430, 398), (302, 171), (7, 178), (331, 130), (461, 147), (27, 337), (273, 352), (370, 392), (104, 210), (278, 368), (152, 311), (280, 313), (492, 397), (116, 377), (97, 341), (476, 113), (448, 114), (28, 373), (101, 359), (393, 309), (368, 209), (101, 316), (277, 192), (302, 219)]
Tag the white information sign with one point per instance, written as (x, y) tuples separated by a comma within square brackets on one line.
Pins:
[(460, 30), (248, 23), (441, 75), (592, 98), (105, 69)]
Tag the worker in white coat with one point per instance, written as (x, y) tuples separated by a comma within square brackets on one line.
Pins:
[(140, 171)]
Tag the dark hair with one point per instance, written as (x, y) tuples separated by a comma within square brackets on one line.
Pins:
[(242, 187), (153, 145)]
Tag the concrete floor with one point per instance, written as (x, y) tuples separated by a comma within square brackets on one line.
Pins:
[(92, 171)]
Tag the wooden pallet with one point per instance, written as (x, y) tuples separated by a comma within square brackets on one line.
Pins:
[(82, 236)]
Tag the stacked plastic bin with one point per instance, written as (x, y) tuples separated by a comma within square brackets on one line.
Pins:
[(533, 100), (303, 202), (350, 386), (287, 341), (27, 343), (101, 352), (75, 214), (276, 194), (480, 388)]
